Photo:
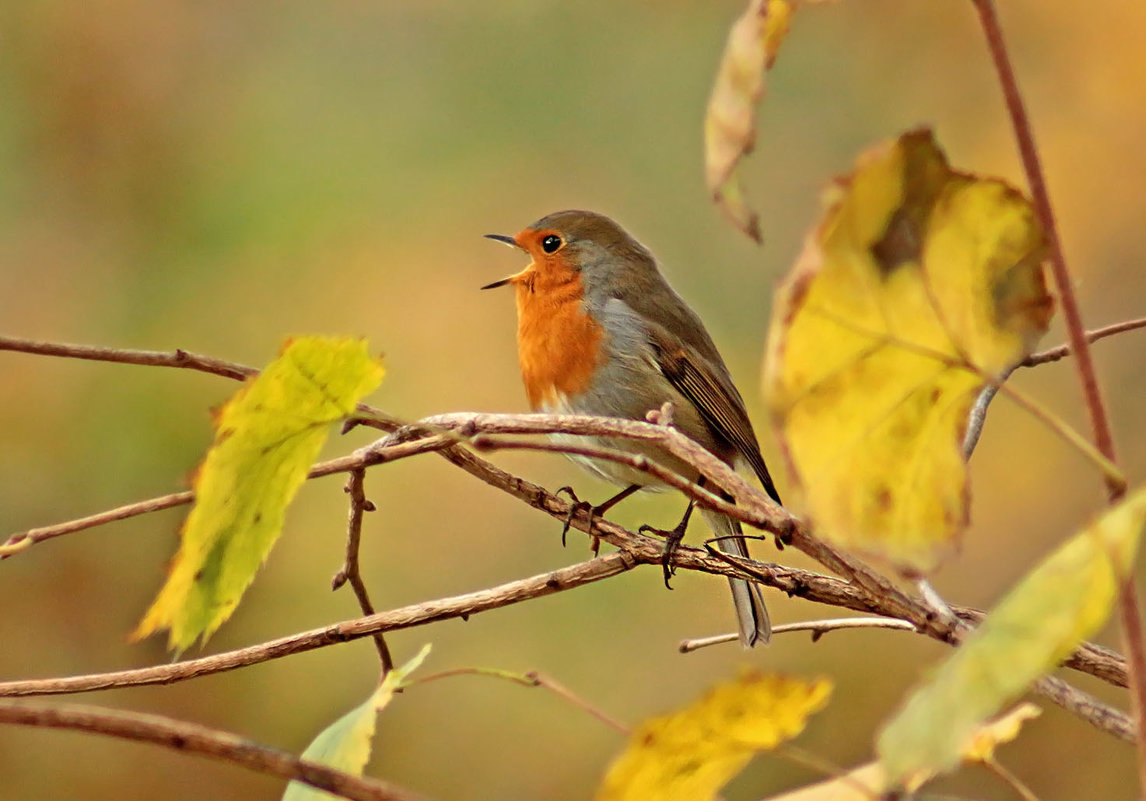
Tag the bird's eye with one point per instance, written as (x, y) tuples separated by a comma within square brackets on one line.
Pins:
[(551, 243)]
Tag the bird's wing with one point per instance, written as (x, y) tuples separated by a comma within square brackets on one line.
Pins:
[(714, 395)]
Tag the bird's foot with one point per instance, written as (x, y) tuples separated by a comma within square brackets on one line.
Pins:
[(577, 505), (594, 512), (673, 538)]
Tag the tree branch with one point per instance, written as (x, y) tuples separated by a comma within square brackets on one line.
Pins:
[(365, 457), (866, 591), (1062, 351), (531, 679), (149, 358), (461, 606), (818, 628), (349, 571), (196, 739)]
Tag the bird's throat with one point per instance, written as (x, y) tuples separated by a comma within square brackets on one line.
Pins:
[(559, 346)]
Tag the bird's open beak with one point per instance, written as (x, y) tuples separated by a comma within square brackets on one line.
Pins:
[(507, 240)]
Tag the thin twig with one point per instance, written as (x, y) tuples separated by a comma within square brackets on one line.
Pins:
[(196, 739), (818, 628), (460, 606), (149, 358), (531, 679), (153, 358), (1062, 351), (364, 457), (977, 417), (1076, 335), (350, 571), (1028, 153), (979, 411), (560, 689), (1010, 779), (26, 539)]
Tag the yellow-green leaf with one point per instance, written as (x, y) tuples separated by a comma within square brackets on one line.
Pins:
[(694, 752), (266, 438), (345, 745), (982, 745), (918, 283), (730, 123), (1055, 607), (867, 782)]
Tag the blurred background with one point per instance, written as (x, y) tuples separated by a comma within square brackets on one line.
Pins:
[(219, 176)]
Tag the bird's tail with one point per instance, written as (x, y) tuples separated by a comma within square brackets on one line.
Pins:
[(751, 613)]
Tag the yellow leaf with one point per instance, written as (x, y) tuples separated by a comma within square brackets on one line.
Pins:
[(981, 747), (266, 438), (345, 745), (1055, 607), (730, 123), (918, 282), (692, 753)]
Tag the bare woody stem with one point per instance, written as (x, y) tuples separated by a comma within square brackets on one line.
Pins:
[(195, 739), (358, 460), (811, 586), (350, 571), (1080, 347), (636, 549), (867, 591), (1028, 153), (818, 629), (460, 606), (531, 679), (1062, 351)]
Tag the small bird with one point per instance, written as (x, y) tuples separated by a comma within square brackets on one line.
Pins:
[(600, 332)]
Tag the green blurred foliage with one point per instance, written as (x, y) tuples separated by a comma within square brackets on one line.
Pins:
[(219, 176)]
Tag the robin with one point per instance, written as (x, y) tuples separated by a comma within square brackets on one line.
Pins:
[(600, 332)]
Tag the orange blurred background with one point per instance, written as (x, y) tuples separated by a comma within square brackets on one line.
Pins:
[(220, 176)]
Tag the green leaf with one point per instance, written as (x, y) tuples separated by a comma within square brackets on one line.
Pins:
[(345, 744), (1060, 603), (266, 438)]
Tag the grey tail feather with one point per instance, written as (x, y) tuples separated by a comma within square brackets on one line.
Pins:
[(751, 613)]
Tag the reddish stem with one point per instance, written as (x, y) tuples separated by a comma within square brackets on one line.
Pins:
[(1079, 346)]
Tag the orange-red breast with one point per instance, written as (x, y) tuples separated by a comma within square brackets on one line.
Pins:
[(600, 331)]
